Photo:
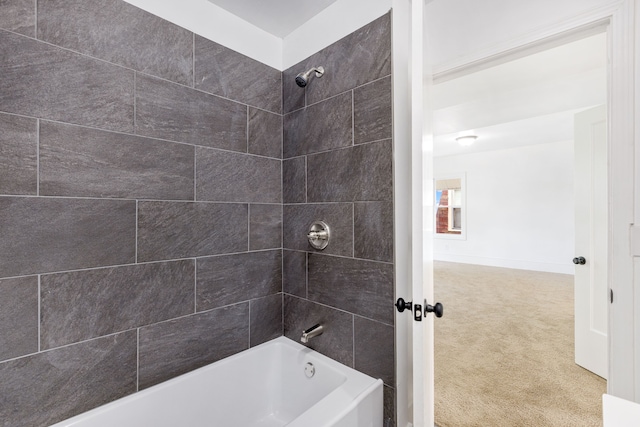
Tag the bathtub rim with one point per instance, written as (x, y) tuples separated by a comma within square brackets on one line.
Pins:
[(357, 387)]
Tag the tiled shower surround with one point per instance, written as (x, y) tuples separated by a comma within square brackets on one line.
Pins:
[(148, 222)]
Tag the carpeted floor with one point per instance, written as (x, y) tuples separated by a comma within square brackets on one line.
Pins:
[(504, 351)]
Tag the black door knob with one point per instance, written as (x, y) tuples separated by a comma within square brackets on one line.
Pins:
[(579, 260), (403, 305), (436, 309)]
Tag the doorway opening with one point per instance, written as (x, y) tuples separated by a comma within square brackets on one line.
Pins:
[(512, 274)]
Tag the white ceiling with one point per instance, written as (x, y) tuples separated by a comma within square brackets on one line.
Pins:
[(530, 100), (278, 17)]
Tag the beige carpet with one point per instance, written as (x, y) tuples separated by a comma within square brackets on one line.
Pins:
[(504, 351)]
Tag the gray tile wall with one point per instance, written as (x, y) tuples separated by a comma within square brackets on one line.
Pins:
[(337, 167), (137, 184), (155, 189)]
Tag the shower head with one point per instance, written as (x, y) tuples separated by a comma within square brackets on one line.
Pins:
[(302, 79)]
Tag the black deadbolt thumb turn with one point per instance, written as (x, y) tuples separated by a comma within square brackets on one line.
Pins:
[(436, 309), (579, 260)]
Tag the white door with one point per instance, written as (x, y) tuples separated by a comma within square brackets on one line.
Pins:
[(591, 240)]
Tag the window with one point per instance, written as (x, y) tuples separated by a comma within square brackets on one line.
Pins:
[(449, 206)]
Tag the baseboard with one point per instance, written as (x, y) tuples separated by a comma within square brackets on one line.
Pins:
[(507, 263)]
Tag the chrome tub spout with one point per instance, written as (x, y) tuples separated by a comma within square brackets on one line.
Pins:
[(313, 331)]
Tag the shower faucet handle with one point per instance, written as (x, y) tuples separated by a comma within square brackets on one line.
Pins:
[(319, 235)]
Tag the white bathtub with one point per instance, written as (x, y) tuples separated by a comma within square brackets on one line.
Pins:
[(265, 386)]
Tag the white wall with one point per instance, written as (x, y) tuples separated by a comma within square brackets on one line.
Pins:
[(519, 208), (465, 30)]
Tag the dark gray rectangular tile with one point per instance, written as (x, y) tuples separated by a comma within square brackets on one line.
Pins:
[(320, 127), (40, 80), (48, 387), (80, 305), (360, 173), (170, 111), (374, 349), (265, 133), (372, 117), (389, 401), (339, 217), (373, 230), (83, 162), (178, 346), (222, 176), (229, 279), (120, 33), (18, 16), (335, 342), (266, 319), (265, 227), (19, 159), (227, 73), (294, 180), (172, 230), (42, 235), (361, 287), (359, 58), (294, 273), (18, 317)]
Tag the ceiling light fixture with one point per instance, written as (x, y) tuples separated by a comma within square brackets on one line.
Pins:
[(466, 140)]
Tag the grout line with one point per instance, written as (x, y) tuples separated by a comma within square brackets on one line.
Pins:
[(353, 340), (133, 133), (35, 24), (306, 275), (247, 129), (282, 227), (195, 285), (124, 67), (282, 137), (39, 314), (342, 310), (248, 226), (37, 157), (136, 251), (135, 101), (353, 118), (193, 58), (104, 267), (338, 256), (133, 199), (249, 334), (138, 359), (345, 147), (195, 174), (306, 189), (353, 230)]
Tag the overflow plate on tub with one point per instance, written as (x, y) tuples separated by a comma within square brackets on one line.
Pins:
[(309, 370)]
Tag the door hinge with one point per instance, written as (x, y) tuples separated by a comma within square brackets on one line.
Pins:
[(611, 296)]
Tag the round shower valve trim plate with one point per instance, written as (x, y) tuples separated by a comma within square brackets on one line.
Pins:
[(319, 235)]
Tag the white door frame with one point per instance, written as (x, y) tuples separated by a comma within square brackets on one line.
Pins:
[(414, 340), (619, 17), (624, 96)]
